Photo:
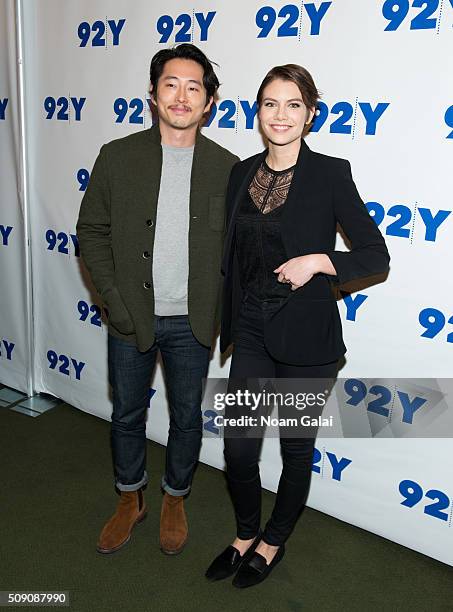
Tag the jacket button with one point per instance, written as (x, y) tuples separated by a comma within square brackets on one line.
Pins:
[(147, 285), (149, 222), (145, 254)]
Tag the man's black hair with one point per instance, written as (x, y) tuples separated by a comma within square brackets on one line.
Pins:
[(184, 51)]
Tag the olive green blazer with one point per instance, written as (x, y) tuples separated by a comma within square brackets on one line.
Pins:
[(116, 228)]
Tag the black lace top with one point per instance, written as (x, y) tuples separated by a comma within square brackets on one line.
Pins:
[(258, 241)]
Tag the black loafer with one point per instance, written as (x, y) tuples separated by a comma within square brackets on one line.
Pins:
[(227, 563), (255, 570)]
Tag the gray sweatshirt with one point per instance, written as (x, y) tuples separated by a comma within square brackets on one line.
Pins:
[(171, 240)]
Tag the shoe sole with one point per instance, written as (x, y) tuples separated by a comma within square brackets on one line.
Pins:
[(179, 550), (108, 551)]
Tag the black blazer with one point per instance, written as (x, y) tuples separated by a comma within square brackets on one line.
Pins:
[(306, 329)]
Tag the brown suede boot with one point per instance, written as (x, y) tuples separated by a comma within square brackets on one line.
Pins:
[(130, 511), (173, 525)]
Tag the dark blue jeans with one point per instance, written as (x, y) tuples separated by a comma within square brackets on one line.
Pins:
[(185, 363)]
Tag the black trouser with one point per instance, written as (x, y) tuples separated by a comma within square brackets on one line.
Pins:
[(252, 360)]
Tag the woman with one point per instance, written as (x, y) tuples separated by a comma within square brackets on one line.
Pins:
[(278, 307)]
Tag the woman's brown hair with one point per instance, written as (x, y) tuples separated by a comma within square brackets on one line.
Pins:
[(296, 74)]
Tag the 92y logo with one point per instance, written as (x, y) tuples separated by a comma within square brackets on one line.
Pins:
[(3, 105), (434, 321), (90, 313), (5, 233), (380, 399), (6, 349), (413, 494), (65, 365), (83, 177), (289, 21), (336, 464), (347, 117), (185, 26), (99, 31), (134, 110), (423, 14), (61, 242), (352, 304), (449, 118), (404, 224), (227, 113), (64, 104)]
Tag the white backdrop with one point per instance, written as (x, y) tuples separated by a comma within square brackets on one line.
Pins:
[(387, 106), (15, 360)]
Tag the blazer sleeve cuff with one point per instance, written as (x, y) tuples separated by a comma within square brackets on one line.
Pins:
[(336, 257), (349, 266)]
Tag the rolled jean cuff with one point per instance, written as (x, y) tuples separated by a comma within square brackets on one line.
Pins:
[(132, 487), (175, 492)]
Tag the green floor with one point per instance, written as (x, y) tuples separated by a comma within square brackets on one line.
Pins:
[(56, 494)]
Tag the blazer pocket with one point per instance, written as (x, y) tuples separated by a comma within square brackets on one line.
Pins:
[(305, 332), (119, 316), (217, 212)]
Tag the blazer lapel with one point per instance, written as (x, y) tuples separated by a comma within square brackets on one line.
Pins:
[(299, 188), (300, 185), (228, 248), (199, 179), (146, 172)]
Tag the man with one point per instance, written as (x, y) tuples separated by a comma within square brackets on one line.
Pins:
[(151, 229)]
